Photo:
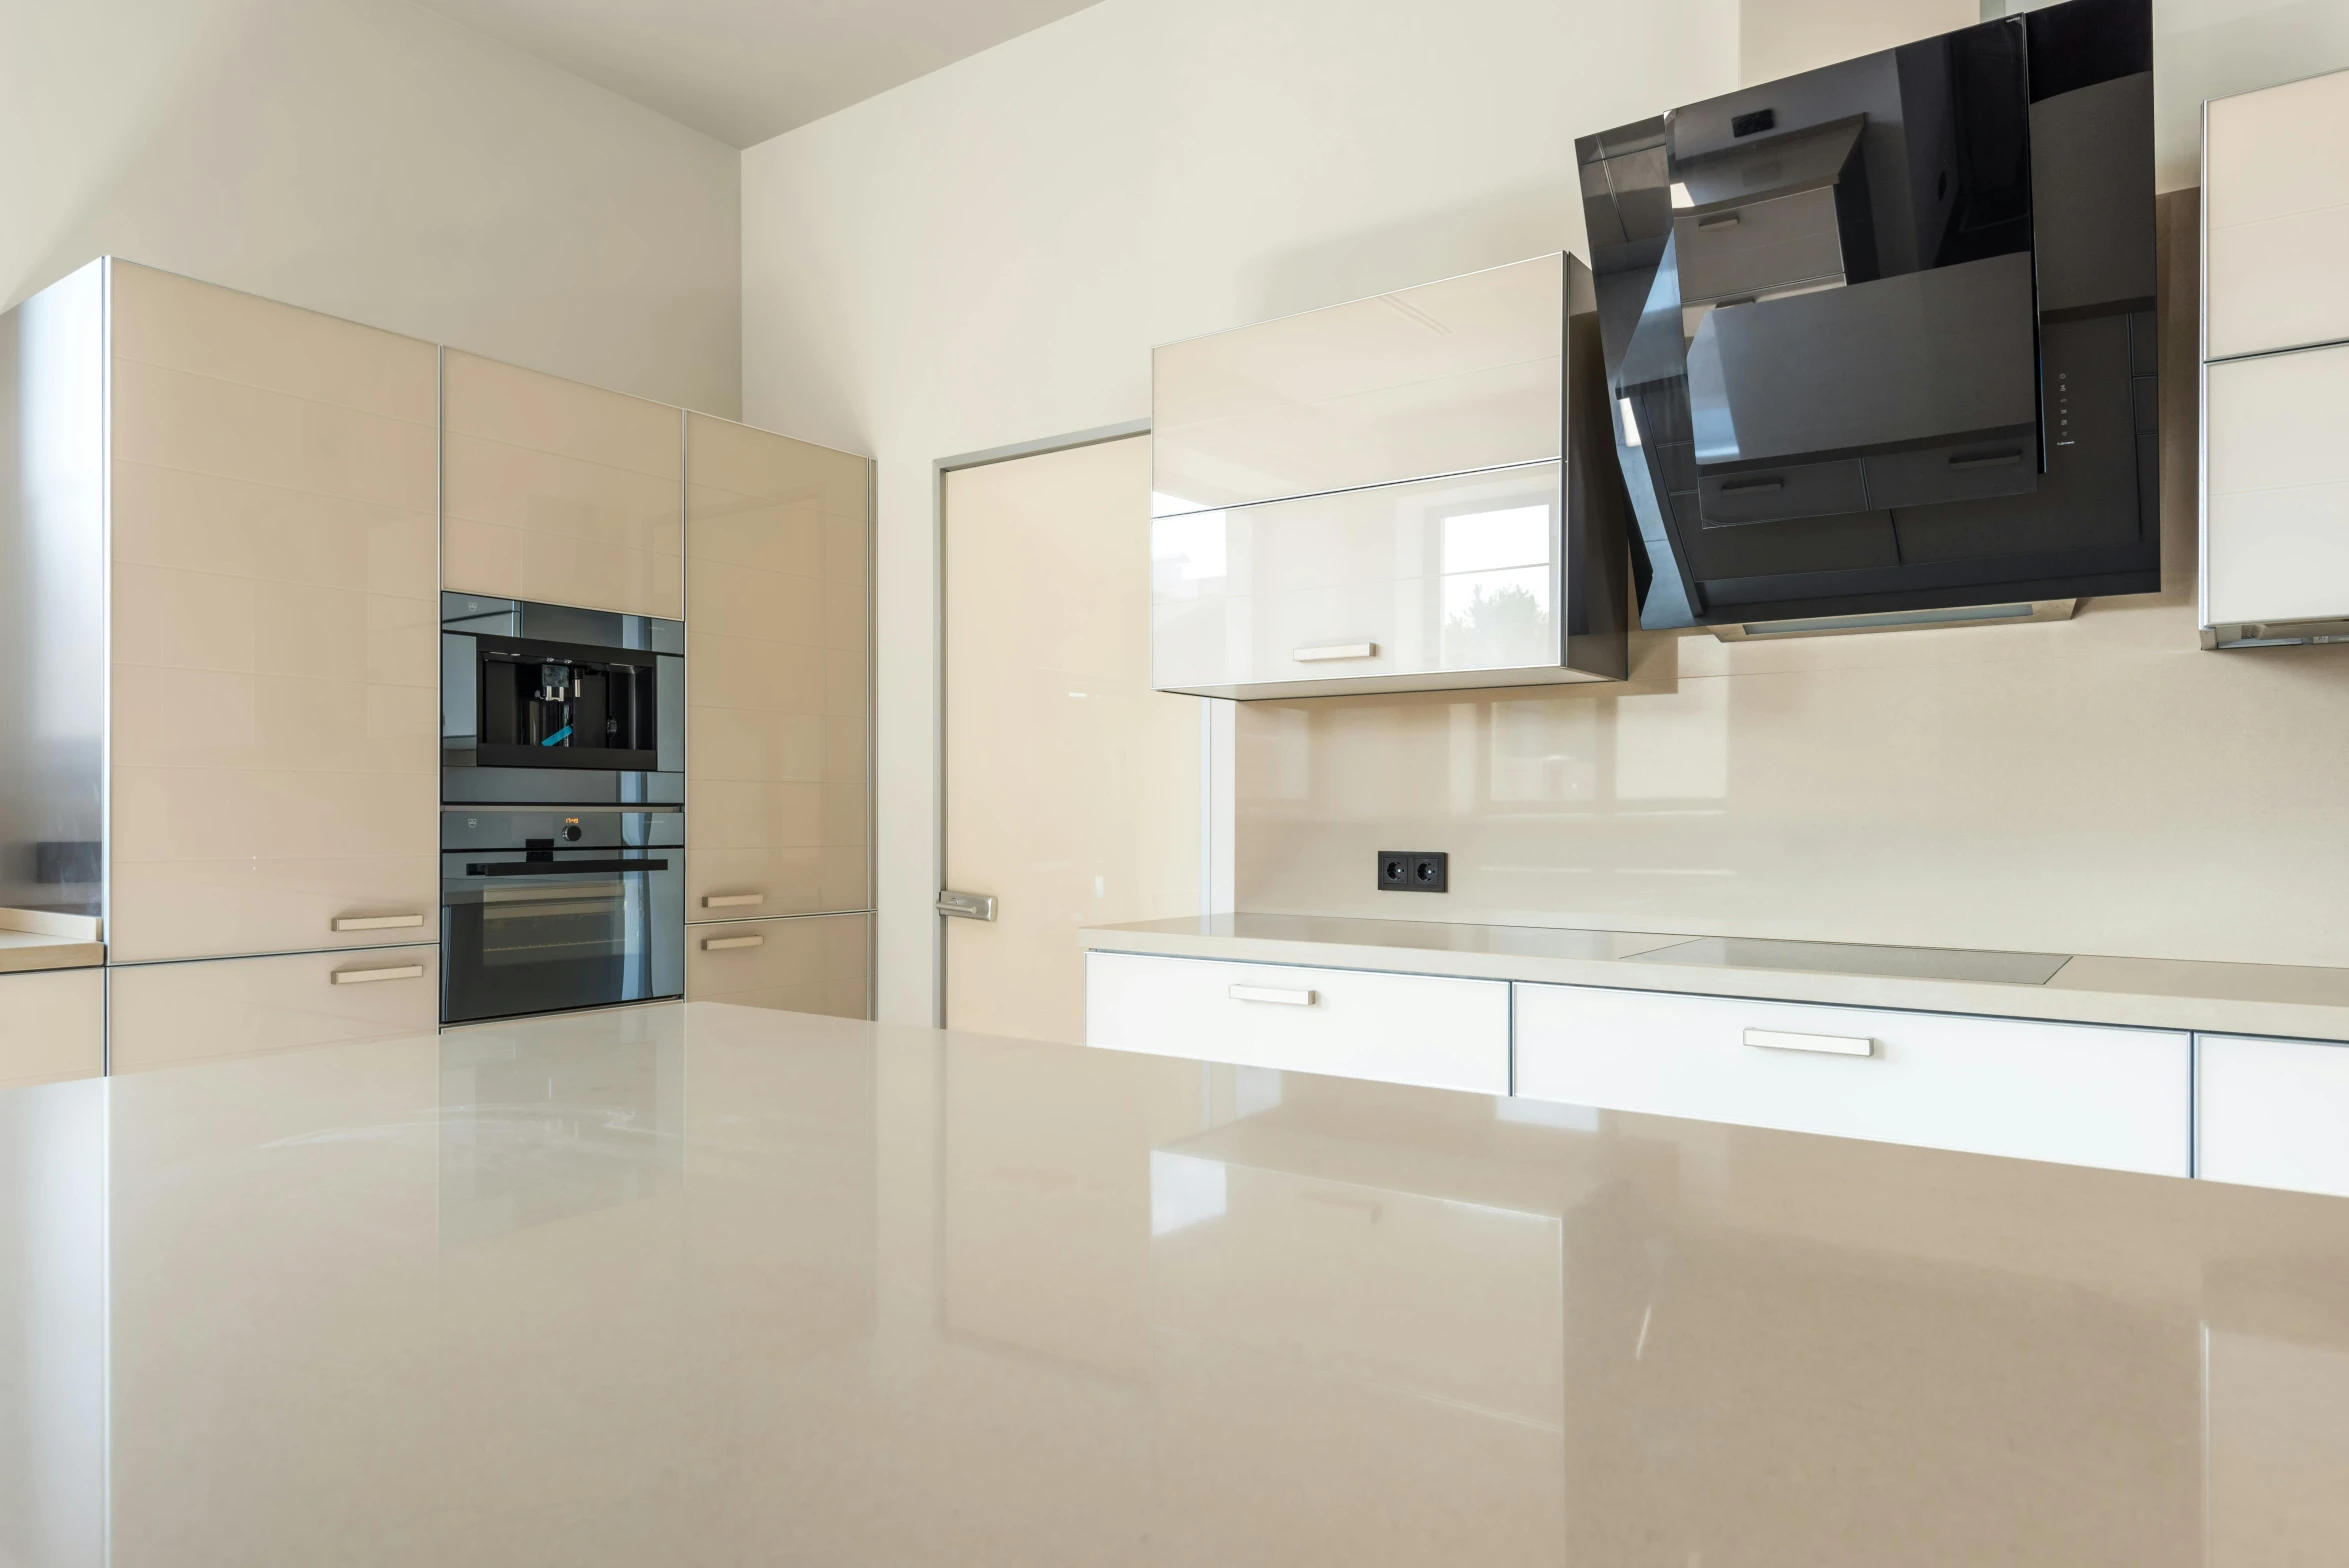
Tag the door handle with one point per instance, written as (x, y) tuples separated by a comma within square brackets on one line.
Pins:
[(1271, 993), (1335, 650), (560, 868), (967, 906), (1831, 1044), (375, 922), (718, 944), (368, 976), (732, 900)]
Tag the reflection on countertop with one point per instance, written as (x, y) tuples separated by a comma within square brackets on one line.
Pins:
[(704, 1284)]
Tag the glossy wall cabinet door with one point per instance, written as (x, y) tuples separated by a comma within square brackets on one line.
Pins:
[(560, 493), (52, 1026), (776, 670), (2277, 197), (175, 1015), (811, 964), (274, 635), (2272, 1113)]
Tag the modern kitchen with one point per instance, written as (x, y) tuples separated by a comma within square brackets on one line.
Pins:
[(1159, 782)]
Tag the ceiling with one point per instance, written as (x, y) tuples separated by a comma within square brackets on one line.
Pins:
[(745, 70)]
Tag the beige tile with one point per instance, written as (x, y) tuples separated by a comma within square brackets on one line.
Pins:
[(52, 1026), (526, 523), (210, 718), (751, 462), (762, 606), (204, 522), (234, 813), (724, 529), (167, 616), (163, 319), (527, 408), (751, 744), (170, 1015), (847, 546), (735, 814), (734, 672), (172, 419), (805, 965), (845, 681), (482, 558), (166, 909)]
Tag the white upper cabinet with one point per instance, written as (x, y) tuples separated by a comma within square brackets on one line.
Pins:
[(2272, 1113), (2275, 513), (275, 685), (1414, 491)]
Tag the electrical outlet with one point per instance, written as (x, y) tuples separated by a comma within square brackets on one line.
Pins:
[(1414, 871)]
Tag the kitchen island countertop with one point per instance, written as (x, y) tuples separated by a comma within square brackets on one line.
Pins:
[(704, 1284)]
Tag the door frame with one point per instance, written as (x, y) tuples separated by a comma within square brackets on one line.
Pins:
[(939, 469)]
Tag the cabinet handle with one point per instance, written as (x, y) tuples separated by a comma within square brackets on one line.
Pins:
[(368, 976), (732, 900), (1335, 650), (1268, 993), (718, 944), (375, 922), (1832, 1044)]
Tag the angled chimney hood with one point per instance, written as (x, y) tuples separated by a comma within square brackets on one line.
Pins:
[(1881, 336)]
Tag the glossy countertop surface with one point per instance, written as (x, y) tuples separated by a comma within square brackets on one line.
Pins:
[(701, 1285), (2279, 999)]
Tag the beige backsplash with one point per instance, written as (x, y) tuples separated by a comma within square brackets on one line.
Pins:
[(2096, 786)]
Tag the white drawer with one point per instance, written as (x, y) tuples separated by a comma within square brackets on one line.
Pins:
[(2272, 1113), (1418, 1029), (2072, 1093)]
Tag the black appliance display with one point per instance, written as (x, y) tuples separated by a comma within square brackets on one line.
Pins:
[(546, 704), (1881, 336), (548, 910)]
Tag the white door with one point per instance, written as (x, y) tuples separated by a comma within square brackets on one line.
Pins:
[(1072, 789)]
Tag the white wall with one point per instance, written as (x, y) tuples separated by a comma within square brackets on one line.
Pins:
[(985, 256), (374, 160)]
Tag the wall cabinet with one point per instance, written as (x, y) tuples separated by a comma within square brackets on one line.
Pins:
[(1417, 1029), (52, 1026), (175, 1015), (560, 493), (812, 964), (2272, 1113), (777, 536), (275, 653)]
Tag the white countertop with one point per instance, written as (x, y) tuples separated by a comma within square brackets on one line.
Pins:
[(2269, 999), (701, 1284)]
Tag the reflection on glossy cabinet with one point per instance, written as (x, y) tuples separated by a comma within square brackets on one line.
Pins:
[(274, 652), (810, 964), (558, 492), (173, 1015), (777, 654), (52, 1026)]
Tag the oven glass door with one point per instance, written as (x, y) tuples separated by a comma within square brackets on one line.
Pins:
[(543, 931)]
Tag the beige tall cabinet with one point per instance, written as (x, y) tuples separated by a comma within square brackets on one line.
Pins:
[(273, 677), (778, 672)]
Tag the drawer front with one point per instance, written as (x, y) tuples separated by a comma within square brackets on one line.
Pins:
[(816, 964), (2072, 1093), (171, 1015), (1416, 1029), (2273, 1113), (52, 1026)]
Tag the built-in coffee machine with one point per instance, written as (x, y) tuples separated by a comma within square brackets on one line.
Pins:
[(563, 808)]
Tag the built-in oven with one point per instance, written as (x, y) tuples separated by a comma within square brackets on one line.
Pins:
[(545, 703), (558, 908)]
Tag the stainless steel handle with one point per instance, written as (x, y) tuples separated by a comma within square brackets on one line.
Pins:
[(732, 900), (1335, 650), (719, 944), (369, 976), (967, 906), (1831, 1044), (1271, 993), (375, 922)]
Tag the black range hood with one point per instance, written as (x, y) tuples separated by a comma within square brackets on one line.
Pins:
[(1881, 336)]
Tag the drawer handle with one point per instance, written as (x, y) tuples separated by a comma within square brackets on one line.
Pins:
[(1271, 993), (375, 922), (1831, 1044), (1335, 650), (1726, 220), (719, 944), (369, 976), (732, 900), (1752, 486)]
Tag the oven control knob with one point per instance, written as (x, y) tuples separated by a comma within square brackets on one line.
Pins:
[(571, 832)]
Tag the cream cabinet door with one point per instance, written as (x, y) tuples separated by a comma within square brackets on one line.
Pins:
[(560, 493), (275, 650), (175, 1015), (813, 964), (52, 1026), (777, 653)]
